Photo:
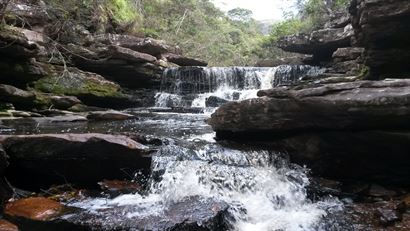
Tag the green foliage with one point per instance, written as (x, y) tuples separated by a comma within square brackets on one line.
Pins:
[(123, 11), (288, 27), (240, 14)]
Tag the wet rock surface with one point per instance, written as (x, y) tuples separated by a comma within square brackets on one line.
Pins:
[(189, 214), (314, 124), (41, 160)]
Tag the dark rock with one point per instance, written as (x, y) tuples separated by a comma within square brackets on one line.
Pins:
[(15, 44), (347, 53), (383, 28), (292, 60), (64, 102), (351, 67), (20, 98), (126, 54), (321, 43), (115, 188), (357, 105), (20, 73), (61, 119), (379, 191), (33, 13), (183, 61), (214, 101), (37, 160), (144, 45), (34, 208), (314, 124), (109, 115), (190, 214)]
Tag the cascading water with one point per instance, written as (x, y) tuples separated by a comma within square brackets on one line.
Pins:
[(264, 192), (193, 86)]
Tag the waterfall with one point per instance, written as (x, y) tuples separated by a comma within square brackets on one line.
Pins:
[(195, 86)]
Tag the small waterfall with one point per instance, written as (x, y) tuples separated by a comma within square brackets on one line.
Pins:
[(194, 86)]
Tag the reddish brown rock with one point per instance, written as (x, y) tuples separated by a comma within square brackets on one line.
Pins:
[(34, 208), (7, 226)]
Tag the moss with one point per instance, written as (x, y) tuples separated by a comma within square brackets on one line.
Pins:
[(77, 84), (364, 72)]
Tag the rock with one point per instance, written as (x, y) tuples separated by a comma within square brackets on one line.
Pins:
[(20, 113), (20, 73), (34, 208), (292, 60), (14, 43), (314, 124), (183, 61), (33, 13), (19, 98), (129, 55), (61, 119), (7, 226), (144, 45), (357, 105), (64, 102), (388, 216), (83, 108), (47, 159), (131, 69), (109, 115), (321, 43), (214, 101), (347, 53), (115, 188), (383, 28), (192, 213), (90, 88), (379, 191), (338, 19)]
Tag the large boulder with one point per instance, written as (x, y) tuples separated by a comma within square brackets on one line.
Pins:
[(90, 88), (330, 127), (383, 28), (85, 159), (16, 96)]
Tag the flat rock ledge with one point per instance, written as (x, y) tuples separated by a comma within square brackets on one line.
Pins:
[(361, 126)]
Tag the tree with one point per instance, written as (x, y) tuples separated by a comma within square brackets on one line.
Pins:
[(240, 14)]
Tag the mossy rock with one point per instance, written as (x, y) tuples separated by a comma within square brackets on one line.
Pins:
[(90, 88)]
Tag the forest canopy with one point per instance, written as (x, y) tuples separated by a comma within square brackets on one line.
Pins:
[(199, 28)]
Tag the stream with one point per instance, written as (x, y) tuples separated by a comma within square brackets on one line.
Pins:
[(262, 189)]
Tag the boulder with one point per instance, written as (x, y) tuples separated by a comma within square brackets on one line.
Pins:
[(14, 43), (115, 188), (214, 101), (22, 12), (64, 102), (129, 68), (90, 88), (18, 97), (42, 160), (183, 61), (109, 115)]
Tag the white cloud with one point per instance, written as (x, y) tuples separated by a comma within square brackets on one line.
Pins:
[(262, 9)]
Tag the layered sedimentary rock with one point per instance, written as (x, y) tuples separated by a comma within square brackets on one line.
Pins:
[(383, 28), (315, 124)]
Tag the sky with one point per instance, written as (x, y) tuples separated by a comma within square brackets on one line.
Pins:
[(262, 9)]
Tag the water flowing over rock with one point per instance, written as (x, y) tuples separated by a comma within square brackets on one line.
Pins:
[(193, 86), (308, 121)]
